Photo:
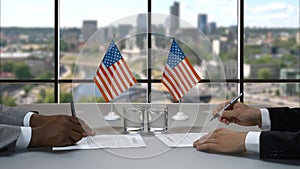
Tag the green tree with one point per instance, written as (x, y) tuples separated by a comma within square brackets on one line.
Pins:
[(270, 91), (64, 46), (45, 75), (277, 92), (264, 59), (3, 43), (27, 88), (50, 47), (8, 101), (65, 97), (42, 94), (100, 100), (251, 50), (46, 96), (73, 46), (7, 66), (232, 54), (22, 71), (289, 44), (288, 60), (49, 97), (264, 73), (87, 99)]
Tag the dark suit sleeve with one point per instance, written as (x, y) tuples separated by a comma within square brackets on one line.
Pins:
[(280, 145), (285, 119), (283, 141)]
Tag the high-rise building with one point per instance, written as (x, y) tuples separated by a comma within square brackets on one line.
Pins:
[(142, 22), (141, 30), (175, 14), (202, 23), (89, 27), (212, 28), (123, 30)]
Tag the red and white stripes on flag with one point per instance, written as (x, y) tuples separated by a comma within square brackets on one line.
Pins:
[(179, 75), (113, 75)]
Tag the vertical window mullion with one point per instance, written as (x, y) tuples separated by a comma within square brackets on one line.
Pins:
[(241, 48), (149, 83), (56, 51)]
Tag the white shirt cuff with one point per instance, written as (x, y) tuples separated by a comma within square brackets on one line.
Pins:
[(24, 138), (252, 141), (265, 120), (26, 120)]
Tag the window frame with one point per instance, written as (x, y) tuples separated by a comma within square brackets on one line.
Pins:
[(56, 81)]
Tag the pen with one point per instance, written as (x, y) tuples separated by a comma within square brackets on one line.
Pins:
[(226, 106), (72, 109)]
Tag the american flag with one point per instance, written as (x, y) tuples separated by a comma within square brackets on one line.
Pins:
[(113, 75), (179, 75)]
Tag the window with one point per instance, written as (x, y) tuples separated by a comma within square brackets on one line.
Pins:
[(51, 49), (84, 37), (26, 48), (272, 52)]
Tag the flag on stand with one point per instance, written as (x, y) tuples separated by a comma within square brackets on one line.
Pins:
[(113, 75), (179, 75)]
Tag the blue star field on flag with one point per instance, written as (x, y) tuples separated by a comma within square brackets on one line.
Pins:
[(176, 55), (112, 55)]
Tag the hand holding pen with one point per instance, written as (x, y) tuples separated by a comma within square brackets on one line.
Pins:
[(87, 129), (72, 109), (226, 106), (239, 113)]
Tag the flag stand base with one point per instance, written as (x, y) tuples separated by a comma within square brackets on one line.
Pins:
[(111, 116), (180, 116)]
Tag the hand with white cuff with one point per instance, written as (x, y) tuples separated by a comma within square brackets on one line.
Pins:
[(226, 140), (280, 138)]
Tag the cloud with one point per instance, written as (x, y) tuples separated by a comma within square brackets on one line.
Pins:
[(272, 15), (215, 10), (274, 8)]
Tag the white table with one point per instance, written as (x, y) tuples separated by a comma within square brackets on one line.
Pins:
[(155, 156)]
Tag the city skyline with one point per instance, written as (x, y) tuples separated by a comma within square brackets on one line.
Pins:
[(257, 13), (269, 54)]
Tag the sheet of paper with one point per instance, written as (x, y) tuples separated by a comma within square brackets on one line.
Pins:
[(107, 141), (179, 139)]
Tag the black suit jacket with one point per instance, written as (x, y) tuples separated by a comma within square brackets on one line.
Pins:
[(283, 141)]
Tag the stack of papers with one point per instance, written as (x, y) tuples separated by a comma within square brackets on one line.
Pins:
[(132, 141), (107, 141), (179, 140)]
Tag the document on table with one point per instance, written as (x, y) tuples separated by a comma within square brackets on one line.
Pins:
[(107, 141), (179, 139)]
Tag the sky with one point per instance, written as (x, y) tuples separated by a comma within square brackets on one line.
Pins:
[(40, 13), (272, 13)]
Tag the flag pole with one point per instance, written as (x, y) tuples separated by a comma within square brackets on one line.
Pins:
[(179, 105), (180, 116), (111, 106), (111, 115)]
